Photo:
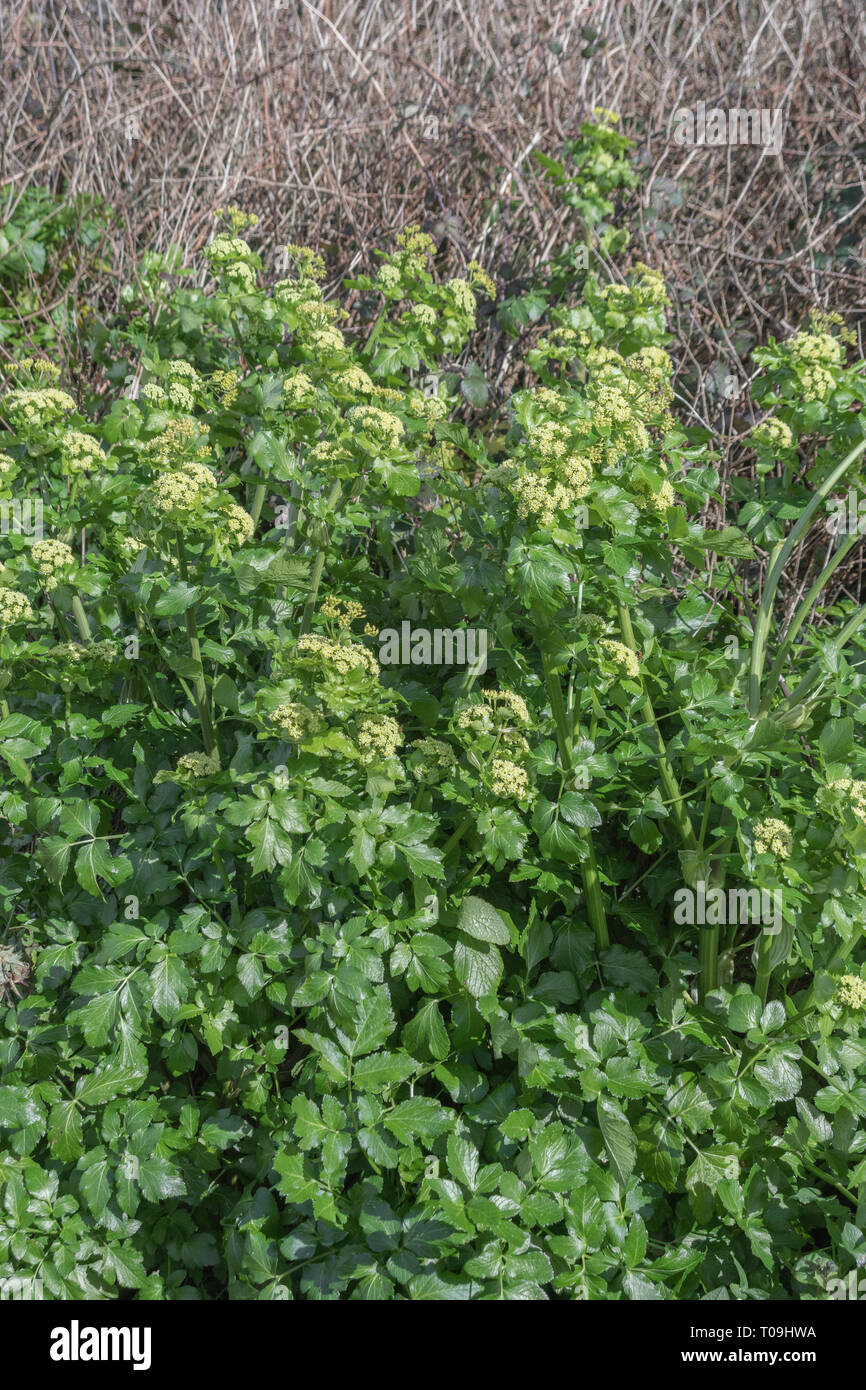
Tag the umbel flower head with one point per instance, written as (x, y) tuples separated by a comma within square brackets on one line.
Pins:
[(295, 722), (773, 434), (621, 656), (379, 738), (79, 453), (342, 610), (183, 489), (14, 608), (37, 407), (49, 559), (191, 768), (852, 794), (341, 657), (852, 992), (772, 836), (510, 701), (509, 780), (431, 759)]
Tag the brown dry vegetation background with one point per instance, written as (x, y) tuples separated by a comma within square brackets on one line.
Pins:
[(338, 122)]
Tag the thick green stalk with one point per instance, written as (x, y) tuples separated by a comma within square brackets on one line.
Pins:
[(778, 560), (319, 564), (669, 781), (258, 501), (80, 617), (708, 942), (199, 686), (763, 969), (589, 867)]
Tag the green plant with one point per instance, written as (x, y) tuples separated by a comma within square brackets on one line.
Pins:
[(333, 977)]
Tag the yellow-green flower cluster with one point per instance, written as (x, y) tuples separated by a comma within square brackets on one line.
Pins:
[(388, 278), (508, 700), (816, 349), (379, 738), (38, 366), (327, 451), (237, 219), (479, 277), (621, 656), (327, 339), (384, 428), (294, 721), (593, 624), (460, 293), (49, 559), (6, 463), (853, 793), (429, 408), (658, 502), (650, 286), (198, 764), (423, 314), (225, 249), (432, 759), (342, 610), (816, 383), (509, 780), (14, 608), (354, 379), (773, 434), (181, 436), (772, 836), (89, 654), (538, 500), (414, 249), (239, 524), (37, 407), (309, 264), (183, 489), (298, 390), (80, 453), (342, 657), (550, 401), (225, 385), (852, 992)]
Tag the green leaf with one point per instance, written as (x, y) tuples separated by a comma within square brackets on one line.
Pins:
[(477, 918), (478, 967), (618, 1139)]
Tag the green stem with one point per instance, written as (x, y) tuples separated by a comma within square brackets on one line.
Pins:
[(763, 970), (708, 960), (80, 617), (589, 867), (319, 565), (668, 777), (778, 560), (258, 501), (198, 684)]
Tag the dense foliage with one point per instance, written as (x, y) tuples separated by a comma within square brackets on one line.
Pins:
[(334, 970)]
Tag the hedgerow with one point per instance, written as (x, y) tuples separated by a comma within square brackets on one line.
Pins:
[(335, 968)]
